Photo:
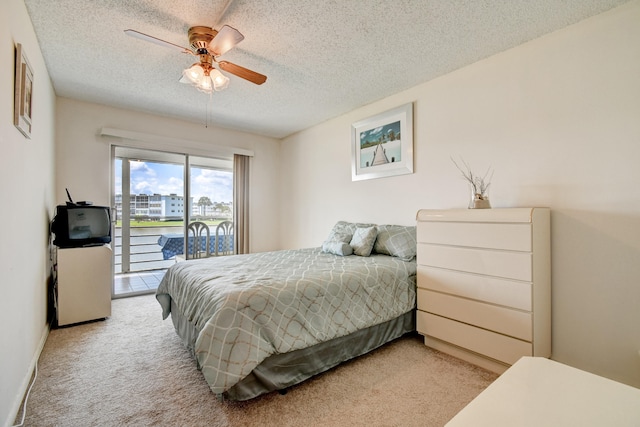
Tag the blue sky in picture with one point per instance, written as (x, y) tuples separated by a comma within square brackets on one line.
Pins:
[(374, 135), (166, 178)]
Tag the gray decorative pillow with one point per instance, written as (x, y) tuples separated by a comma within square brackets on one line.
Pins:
[(396, 240), (338, 243), (337, 248), (343, 227), (349, 227), (363, 240)]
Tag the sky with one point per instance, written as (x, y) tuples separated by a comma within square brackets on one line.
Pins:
[(374, 134), (164, 178)]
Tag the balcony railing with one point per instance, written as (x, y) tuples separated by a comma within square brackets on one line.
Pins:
[(145, 253)]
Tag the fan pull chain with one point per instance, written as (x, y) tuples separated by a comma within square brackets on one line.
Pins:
[(209, 103)]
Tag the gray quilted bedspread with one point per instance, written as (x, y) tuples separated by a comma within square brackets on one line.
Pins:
[(248, 307)]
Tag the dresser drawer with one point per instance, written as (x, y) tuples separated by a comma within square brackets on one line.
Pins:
[(503, 320), (515, 237), (496, 346), (510, 265), (494, 290)]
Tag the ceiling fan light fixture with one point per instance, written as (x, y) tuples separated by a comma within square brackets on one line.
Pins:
[(208, 44), (204, 77), (220, 81), (193, 74), (205, 85)]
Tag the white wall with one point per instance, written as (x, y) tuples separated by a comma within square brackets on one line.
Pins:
[(558, 119), (83, 157), (26, 191)]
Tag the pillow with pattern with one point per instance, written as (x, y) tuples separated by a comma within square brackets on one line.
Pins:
[(337, 248), (363, 240), (349, 227), (338, 243), (396, 240)]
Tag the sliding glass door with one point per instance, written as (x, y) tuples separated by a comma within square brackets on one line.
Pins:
[(154, 193), (211, 189)]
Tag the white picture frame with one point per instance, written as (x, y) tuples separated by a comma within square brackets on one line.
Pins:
[(382, 145)]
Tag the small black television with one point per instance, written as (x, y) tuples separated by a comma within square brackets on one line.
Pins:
[(82, 224)]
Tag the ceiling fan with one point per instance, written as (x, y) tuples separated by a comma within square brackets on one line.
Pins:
[(208, 45)]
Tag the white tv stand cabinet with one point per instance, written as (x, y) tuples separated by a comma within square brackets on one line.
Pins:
[(83, 288), (484, 284)]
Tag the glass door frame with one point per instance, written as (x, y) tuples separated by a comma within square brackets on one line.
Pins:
[(159, 156), (127, 155)]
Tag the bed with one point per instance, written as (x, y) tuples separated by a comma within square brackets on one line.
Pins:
[(262, 322)]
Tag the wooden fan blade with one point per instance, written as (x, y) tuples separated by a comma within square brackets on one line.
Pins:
[(148, 38), (242, 72), (226, 38)]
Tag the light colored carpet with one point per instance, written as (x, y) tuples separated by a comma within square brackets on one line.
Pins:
[(132, 370)]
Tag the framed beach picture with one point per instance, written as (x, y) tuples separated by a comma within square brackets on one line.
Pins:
[(23, 92), (382, 145)]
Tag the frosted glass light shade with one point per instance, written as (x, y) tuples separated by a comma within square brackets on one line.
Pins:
[(205, 85), (220, 81), (205, 78), (193, 74)]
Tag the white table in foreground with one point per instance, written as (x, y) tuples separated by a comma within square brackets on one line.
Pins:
[(540, 392)]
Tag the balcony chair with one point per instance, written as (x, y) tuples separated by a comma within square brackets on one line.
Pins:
[(200, 231), (224, 238)]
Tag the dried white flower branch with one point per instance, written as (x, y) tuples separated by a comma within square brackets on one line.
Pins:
[(480, 184)]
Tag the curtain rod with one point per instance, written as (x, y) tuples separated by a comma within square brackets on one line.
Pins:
[(182, 146)]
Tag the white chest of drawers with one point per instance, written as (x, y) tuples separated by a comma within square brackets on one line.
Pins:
[(484, 283)]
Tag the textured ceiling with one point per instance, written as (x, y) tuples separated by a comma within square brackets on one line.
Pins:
[(323, 58)]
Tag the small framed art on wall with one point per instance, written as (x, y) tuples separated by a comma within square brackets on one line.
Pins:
[(22, 116), (382, 145)]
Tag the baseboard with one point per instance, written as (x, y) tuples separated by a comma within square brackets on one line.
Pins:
[(27, 379)]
